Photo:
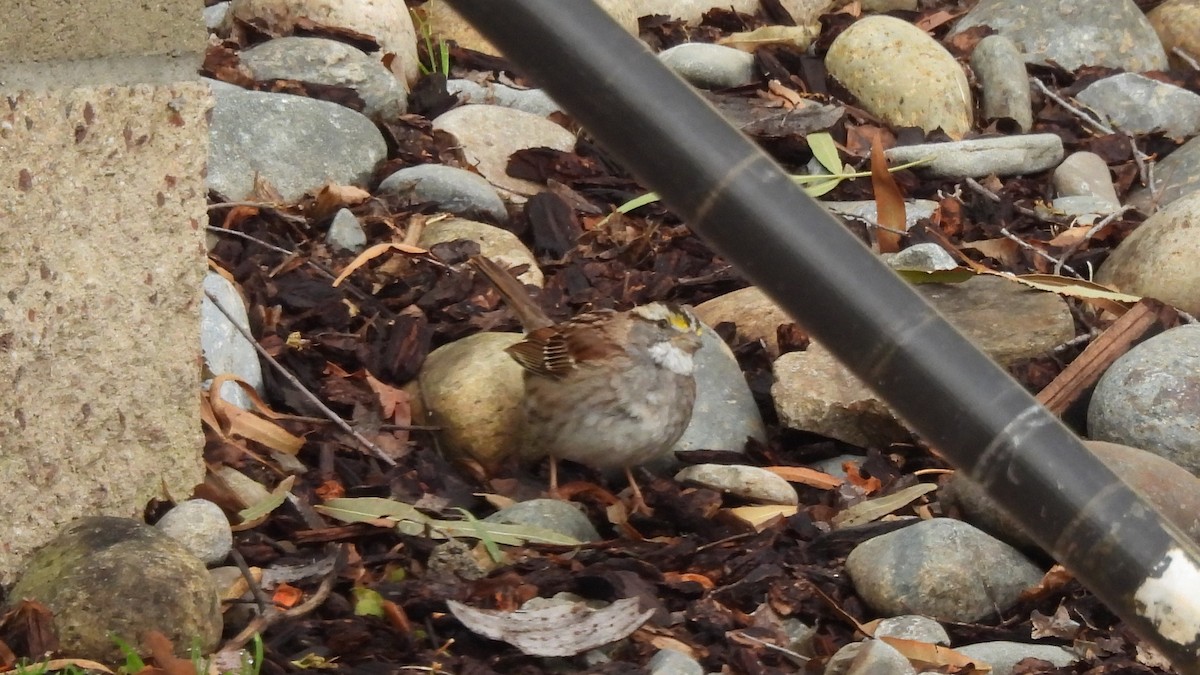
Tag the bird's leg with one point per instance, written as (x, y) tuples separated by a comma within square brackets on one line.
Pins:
[(638, 504), (554, 478)]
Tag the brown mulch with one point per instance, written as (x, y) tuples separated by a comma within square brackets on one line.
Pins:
[(717, 587)]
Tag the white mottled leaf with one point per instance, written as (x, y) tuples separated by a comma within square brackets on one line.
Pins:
[(561, 630)]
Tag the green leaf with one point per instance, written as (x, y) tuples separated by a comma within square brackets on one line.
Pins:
[(954, 276), (269, 503), (638, 202), (367, 602), (481, 533), (408, 520), (865, 512), (825, 151)]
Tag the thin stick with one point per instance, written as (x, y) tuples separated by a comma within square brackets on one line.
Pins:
[(1095, 229), (274, 615), (1185, 57), (1083, 116), (1023, 210), (333, 417)]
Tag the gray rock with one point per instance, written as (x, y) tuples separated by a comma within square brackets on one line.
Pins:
[(869, 657), (533, 101), (1084, 174), (105, 575), (214, 15), (814, 392), (1085, 209), (202, 527), (914, 210), (1159, 258), (346, 233), (225, 350), (552, 514), (941, 568), (913, 627), (1147, 398), (453, 561), (1004, 656), (494, 242), (898, 72), (455, 190), (273, 136), (388, 23), (835, 466), (1005, 156), (1139, 105), (329, 62), (926, 257), (1005, 83), (748, 482), (1176, 175), (710, 66), (1111, 33), (671, 662), (725, 414), (490, 134)]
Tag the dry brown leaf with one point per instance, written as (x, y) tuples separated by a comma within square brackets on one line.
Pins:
[(889, 203), (1002, 249), (561, 630), (799, 37), (331, 197), (925, 656), (372, 253), (806, 476), (163, 653), (759, 517)]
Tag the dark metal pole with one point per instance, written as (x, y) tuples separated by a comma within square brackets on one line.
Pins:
[(739, 201)]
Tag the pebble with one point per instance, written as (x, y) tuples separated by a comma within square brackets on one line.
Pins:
[(1018, 155), (1147, 398), (273, 136), (1111, 33), (333, 63), (1004, 656), (202, 527), (499, 244), (389, 23), (814, 392), (490, 134), (557, 515), (226, 351), (214, 15), (1175, 176), (942, 568), (472, 389), (1177, 23), (1085, 174), (533, 101), (672, 662), (899, 73), (1158, 259), (1139, 105), (458, 191), (453, 562), (104, 575), (869, 657), (1001, 71), (751, 483), (913, 627), (915, 210), (710, 66), (346, 233), (924, 257)]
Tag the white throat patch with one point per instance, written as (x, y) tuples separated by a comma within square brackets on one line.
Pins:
[(672, 358)]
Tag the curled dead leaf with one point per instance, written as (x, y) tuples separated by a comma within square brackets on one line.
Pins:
[(561, 630)]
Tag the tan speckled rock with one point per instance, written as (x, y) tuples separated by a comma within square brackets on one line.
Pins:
[(902, 75), (1159, 258), (494, 242), (490, 134), (447, 24), (1177, 23), (472, 389)]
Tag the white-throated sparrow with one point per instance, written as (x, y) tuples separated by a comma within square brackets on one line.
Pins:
[(606, 389)]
